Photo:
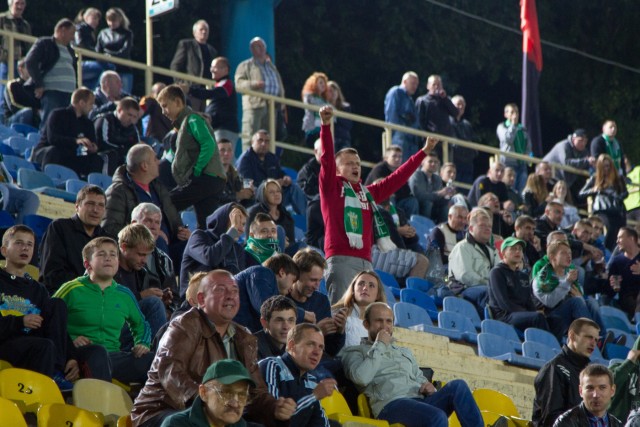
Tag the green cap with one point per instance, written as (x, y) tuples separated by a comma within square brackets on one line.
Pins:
[(227, 371), (512, 241)]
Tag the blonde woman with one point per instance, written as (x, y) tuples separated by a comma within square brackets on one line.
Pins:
[(117, 40)]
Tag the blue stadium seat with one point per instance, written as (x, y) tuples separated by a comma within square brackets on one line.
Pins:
[(608, 311), (391, 298), (189, 220), (615, 361), (100, 179), (464, 307), (423, 221), (42, 183), (60, 174), (20, 144), (504, 330), (34, 137), (543, 337), (407, 315), (496, 347), (300, 237), (6, 220), (629, 338), (291, 173), (597, 357), (616, 351), (6, 150), (300, 221), (460, 323), (423, 226), (38, 224), (323, 287), (23, 128), (13, 163), (422, 285), (74, 185), (390, 281), (420, 299), (537, 350)]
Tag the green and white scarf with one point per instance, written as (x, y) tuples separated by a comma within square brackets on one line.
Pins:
[(261, 249), (353, 220)]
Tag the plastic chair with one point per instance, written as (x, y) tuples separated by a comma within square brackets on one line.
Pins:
[(463, 307), (38, 224), (6, 150), (391, 298), (13, 163), (291, 173), (423, 285), (423, 221), (300, 221), (364, 409), (493, 401), (189, 220), (75, 185), (19, 144), (23, 128), (607, 310), (505, 330), (34, 137), (5, 365), (101, 180), (498, 348), (537, 350), (102, 397), (60, 414), (60, 174), (11, 415), (421, 300), (390, 281), (337, 409), (630, 339), (41, 183), (616, 351), (407, 315), (28, 389), (544, 337), (6, 220), (457, 322)]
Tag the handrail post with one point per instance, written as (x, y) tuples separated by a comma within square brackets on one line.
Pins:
[(11, 60), (272, 124), (148, 74), (445, 151), (387, 138)]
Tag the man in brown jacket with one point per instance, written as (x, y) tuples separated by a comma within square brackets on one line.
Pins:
[(194, 341)]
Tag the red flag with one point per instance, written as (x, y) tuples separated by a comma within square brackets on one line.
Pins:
[(531, 69)]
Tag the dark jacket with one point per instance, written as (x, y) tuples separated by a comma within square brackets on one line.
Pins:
[(103, 104), (188, 58), (483, 185), (215, 247), (223, 108), (308, 178), (318, 304), (111, 135), (509, 291), (267, 347), (434, 112), (382, 170), (315, 225), (190, 345), (61, 251), (63, 128), (122, 198), (285, 220), (17, 96), (462, 129), (579, 417), (42, 57), (556, 387), (250, 166), (85, 36), (117, 42), (136, 281), (9, 22)]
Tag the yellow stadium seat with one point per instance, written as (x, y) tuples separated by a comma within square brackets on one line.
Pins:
[(11, 415), (488, 417), (337, 409), (125, 421), (4, 364), (498, 403), (107, 399), (60, 414), (364, 409), (28, 389)]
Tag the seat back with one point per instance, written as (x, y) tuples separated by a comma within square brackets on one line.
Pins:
[(5, 365), (189, 220), (19, 144), (614, 322), (420, 299), (542, 336), (537, 350), (74, 185), (30, 179), (23, 128), (101, 180), (391, 298), (124, 421), (37, 223), (28, 387), (6, 150), (387, 279), (34, 137), (6, 220), (491, 345), (423, 285), (407, 315), (364, 409), (455, 321), (616, 351), (335, 404), (13, 163), (101, 396), (463, 307), (500, 328), (60, 414), (10, 414), (59, 174), (494, 401), (607, 310), (291, 173)]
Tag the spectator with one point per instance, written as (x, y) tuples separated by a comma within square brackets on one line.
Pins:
[(12, 20), (107, 94), (472, 259), (308, 176), (350, 231), (448, 173), (402, 233), (341, 126), (598, 236), (490, 183), (608, 191), (573, 152), (61, 248), (116, 132), (510, 296), (277, 317), (397, 390), (447, 234), (136, 182), (400, 109), (514, 197), (87, 23), (427, 187), (269, 201), (155, 125), (236, 189), (257, 284), (435, 109), (315, 224), (191, 344), (596, 389), (403, 198), (514, 138), (222, 396), (314, 92), (543, 169), (550, 221), (364, 289), (536, 195), (117, 41), (259, 74), (69, 138), (561, 194), (606, 143), (34, 331), (624, 269), (263, 239), (291, 375), (502, 221), (217, 246), (558, 293), (556, 384), (524, 230), (192, 57), (625, 372), (463, 157), (52, 69), (20, 103), (196, 166), (98, 309), (258, 163)]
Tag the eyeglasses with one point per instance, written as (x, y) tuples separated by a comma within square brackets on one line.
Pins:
[(227, 396)]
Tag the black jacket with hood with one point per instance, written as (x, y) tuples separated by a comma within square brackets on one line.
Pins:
[(285, 220)]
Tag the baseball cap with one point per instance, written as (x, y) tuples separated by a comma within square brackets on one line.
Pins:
[(512, 241), (580, 133), (227, 371)]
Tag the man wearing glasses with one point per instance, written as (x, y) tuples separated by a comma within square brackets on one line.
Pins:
[(221, 399)]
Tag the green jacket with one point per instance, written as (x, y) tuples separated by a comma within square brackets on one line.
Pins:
[(626, 376), (100, 315), (193, 417), (196, 149)]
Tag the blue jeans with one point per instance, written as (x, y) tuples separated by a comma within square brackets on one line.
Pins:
[(522, 173), (434, 410), (127, 368), (476, 295), (154, 313), (127, 81), (52, 99), (571, 309), (410, 206)]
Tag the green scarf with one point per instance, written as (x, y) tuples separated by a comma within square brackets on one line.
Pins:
[(548, 280), (394, 214), (613, 150), (353, 220), (261, 249), (520, 141)]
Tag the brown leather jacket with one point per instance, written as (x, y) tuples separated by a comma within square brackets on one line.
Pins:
[(189, 346)]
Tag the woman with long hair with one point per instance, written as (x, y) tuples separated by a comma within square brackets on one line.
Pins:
[(342, 127), (364, 289), (314, 92), (535, 195), (269, 201), (117, 40), (608, 191)]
